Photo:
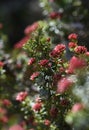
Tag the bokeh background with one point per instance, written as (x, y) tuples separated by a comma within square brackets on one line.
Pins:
[(16, 15)]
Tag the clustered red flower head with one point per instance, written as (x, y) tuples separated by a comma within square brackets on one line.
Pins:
[(55, 15), (64, 102), (34, 75), (58, 50), (31, 61), (80, 49), (56, 77), (4, 119), (38, 100), (3, 111), (62, 69), (43, 62), (76, 63), (77, 107), (29, 29), (37, 106), (53, 112), (16, 127), (47, 122), (72, 45), (3, 115), (1, 25), (23, 41), (1, 64), (21, 96), (73, 36), (6, 102), (63, 85), (87, 53)]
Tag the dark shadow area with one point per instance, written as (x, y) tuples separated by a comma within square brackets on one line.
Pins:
[(16, 15)]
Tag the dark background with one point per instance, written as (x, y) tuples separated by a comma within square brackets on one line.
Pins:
[(16, 15)]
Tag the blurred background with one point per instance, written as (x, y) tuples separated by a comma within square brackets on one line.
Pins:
[(16, 15)]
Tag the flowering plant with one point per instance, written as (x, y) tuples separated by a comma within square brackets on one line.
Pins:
[(55, 77), (50, 82)]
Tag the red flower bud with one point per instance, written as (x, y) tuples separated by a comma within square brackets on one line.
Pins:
[(30, 28), (31, 61), (76, 63), (80, 49), (34, 75), (21, 96), (73, 36), (72, 45), (47, 122), (1, 64), (63, 85), (37, 106), (53, 112), (43, 62), (77, 107)]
